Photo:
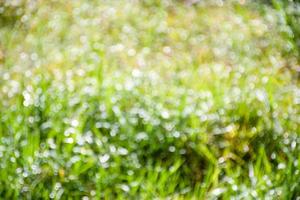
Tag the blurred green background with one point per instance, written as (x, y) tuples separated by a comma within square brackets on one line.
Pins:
[(149, 99)]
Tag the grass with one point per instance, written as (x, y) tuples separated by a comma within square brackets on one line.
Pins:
[(148, 100)]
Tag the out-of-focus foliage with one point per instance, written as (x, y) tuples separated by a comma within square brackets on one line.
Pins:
[(16, 11), (148, 100), (289, 10)]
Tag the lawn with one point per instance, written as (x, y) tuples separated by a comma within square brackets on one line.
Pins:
[(148, 99)]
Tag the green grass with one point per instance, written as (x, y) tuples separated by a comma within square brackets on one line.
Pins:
[(147, 100)]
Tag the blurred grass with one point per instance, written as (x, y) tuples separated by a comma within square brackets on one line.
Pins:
[(289, 12), (147, 100)]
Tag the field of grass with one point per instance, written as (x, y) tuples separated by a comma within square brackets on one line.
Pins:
[(148, 100)]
